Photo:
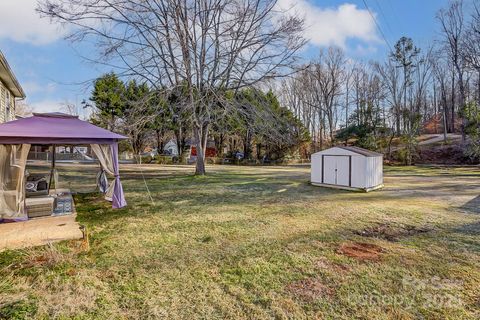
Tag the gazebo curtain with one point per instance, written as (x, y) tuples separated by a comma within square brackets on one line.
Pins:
[(13, 158), (107, 155)]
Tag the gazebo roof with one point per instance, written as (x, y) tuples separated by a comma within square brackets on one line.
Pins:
[(54, 128)]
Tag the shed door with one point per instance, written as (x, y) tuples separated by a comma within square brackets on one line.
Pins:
[(343, 171), (336, 170), (329, 164)]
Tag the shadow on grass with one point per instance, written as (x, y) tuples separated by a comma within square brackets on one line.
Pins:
[(186, 194), (469, 229), (472, 206), (92, 208), (182, 193)]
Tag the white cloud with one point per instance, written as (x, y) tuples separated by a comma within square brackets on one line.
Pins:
[(332, 26), (47, 106), (365, 50), (31, 87), (20, 22)]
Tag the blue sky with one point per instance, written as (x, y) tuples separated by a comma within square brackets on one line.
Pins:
[(54, 74)]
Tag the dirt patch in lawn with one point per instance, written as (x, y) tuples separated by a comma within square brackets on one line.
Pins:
[(392, 232), (310, 289), (361, 251)]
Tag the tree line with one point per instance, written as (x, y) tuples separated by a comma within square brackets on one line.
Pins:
[(206, 69), (372, 103), (254, 122)]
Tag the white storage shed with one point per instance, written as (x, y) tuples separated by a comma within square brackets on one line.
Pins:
[(347, 168)]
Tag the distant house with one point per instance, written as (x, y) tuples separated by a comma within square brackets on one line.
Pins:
[(72, 149), (10, 90), (171, 148), (210, 152)]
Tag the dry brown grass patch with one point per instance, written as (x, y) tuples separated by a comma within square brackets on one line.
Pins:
[(323, 263), (69, 297), (361, 251), (48, 257), (310, 289)]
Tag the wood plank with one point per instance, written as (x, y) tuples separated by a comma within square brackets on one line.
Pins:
[(39, 231)]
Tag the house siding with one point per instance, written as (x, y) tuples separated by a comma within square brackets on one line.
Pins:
[(4, 92)]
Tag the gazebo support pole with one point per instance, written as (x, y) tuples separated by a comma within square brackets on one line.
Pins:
[(52, 170)]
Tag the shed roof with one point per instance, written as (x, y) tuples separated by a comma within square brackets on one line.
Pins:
[(363, 152), (349, 150), (54, 128)]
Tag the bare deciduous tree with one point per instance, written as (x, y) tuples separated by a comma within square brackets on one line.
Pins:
[(393, 84), (453, 29), (471, 46), (440, 80), (205, 47), (329, 73)]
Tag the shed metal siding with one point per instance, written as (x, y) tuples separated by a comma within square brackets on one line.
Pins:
[(316, 168), (374, 172), (358, 171)]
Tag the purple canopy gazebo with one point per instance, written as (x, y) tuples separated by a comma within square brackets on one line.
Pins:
[(17, 136)]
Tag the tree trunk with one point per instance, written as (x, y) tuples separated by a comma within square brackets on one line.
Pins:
[(259, 150), (179, 138), (444, 111), (346, 105), (461, 86), (247, 145), (200, 163), (320, 126), (452, 129), (478, 88), (404, 95), (389, 147), (445, 123), (331, 129), (219, 143), (435, 108), (160, 144), (397, 120), (205, 129), (157, 133)]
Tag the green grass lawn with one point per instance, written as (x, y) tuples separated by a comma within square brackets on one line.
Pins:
[(258, 243)]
